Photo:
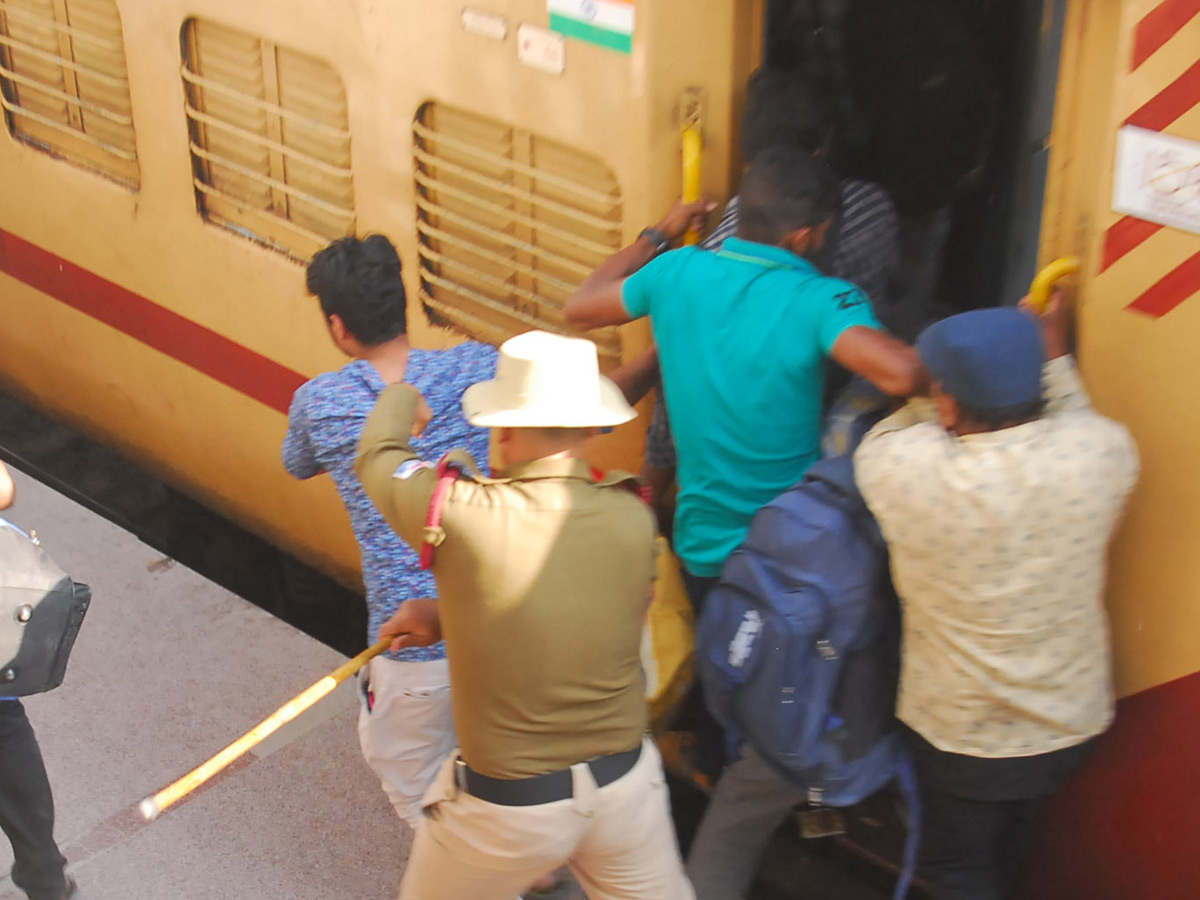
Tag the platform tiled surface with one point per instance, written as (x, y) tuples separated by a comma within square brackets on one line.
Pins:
[(167, 670)]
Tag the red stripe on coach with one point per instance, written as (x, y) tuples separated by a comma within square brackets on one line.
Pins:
[(201, 348), (1160, 25), (1172, 289), (1126, 235), (1171, 102), (1125, 826)]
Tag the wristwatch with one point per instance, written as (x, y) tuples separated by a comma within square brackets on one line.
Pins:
[(660, 241)]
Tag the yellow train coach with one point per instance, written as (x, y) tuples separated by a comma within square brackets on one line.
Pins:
[(166, 168)]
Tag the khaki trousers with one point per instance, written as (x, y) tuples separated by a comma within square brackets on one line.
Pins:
[(618, 840), (409, 731)]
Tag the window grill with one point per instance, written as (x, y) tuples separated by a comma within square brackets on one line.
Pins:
[(508, 223), (270, 139), (63, 82)]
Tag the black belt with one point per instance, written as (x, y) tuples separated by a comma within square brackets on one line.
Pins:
[(542, 788)]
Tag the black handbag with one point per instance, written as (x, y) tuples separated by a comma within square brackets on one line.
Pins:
[(41, 609)]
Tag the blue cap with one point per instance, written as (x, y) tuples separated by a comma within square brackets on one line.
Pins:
[(985, 359)]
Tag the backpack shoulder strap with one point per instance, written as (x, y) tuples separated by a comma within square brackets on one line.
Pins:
[(907, 778), (447, 473), (838, 473)]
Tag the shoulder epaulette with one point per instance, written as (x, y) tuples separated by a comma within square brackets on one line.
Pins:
[(621, 479), (465, 463)]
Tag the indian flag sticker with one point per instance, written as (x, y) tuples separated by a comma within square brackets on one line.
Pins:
[(606, 23)]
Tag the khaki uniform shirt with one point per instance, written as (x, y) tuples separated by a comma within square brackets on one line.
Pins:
[(998, 544), (544, 579)]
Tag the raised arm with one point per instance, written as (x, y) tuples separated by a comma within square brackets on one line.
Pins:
[(887, 362), (398, 482), (636, 377), (597, 301), (1062, 388)]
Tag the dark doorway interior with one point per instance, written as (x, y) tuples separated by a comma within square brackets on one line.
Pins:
[(947, 103)]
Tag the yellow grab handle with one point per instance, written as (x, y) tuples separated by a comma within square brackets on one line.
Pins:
[(693, 148), (693, 144), (1043, 282), (152, 806)]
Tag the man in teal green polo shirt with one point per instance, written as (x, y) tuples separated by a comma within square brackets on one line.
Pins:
[(742, 337)]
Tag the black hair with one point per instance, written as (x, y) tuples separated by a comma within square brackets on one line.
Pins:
[(359, 281), (1004, 416), (785, 189), (783, 108)]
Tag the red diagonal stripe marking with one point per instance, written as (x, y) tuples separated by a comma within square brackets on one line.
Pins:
[(1171, 102), (1160, 25), (1172, 289), (1124, 236), (205, 350)]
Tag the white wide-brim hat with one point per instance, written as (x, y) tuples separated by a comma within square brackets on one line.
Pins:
[(546, 380)]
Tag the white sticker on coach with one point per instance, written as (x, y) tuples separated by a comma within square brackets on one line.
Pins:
[(541, 49), (485, 24), (1158, 178)]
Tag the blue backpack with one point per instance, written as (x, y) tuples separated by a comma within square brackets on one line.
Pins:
[(798, 646)]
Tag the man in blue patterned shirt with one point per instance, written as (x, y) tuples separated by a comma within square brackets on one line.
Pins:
[(405, 727)]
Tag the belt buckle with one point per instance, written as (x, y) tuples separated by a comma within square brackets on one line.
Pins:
[(460, 775)]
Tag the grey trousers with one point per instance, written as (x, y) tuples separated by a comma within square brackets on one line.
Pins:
[(749, 803)]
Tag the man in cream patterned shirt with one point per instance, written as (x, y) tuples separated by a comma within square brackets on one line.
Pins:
[(998, 498)]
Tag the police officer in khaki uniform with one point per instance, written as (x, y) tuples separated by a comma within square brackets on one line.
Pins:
[(544, 577)]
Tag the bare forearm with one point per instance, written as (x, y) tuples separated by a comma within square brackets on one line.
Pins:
[(597, 301), (636, 377), (890, 364), (904, 375)]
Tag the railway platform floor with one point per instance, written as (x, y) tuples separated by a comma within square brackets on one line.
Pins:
[(168, 669)]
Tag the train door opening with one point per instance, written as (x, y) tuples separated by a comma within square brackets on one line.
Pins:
[(948, 104)]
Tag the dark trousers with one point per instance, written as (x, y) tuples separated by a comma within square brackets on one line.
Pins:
[(697, 588), (711, 753), (27, 808), (977, 815)]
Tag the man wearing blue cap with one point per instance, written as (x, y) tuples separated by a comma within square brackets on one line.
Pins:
[(998, 497)]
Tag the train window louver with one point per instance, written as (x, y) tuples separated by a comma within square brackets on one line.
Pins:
[(270, 139), (508, 223), (64, 85)]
